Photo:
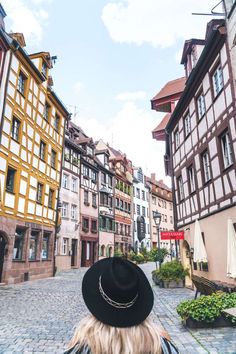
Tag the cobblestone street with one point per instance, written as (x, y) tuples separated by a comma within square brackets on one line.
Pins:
[(39, 317)]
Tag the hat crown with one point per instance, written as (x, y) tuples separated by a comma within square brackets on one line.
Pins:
[(120, 281)]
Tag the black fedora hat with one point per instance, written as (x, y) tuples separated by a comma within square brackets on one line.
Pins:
[(117, 292)]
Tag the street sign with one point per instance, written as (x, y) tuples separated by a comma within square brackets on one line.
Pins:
[(172, 235)]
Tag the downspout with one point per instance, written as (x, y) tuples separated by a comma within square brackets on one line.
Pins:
[(168, 140), (58, 197)]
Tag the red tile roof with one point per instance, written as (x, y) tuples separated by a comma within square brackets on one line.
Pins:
[(171, 88), (163, 123)]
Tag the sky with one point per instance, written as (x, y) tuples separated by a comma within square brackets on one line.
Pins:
[(113, 56)]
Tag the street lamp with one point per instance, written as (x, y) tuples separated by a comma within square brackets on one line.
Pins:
[(157, 219)]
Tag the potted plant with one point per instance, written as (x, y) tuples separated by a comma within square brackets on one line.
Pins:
[(172, 274), (207, 311)]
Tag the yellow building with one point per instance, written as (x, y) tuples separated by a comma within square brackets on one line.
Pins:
[(31, 145)]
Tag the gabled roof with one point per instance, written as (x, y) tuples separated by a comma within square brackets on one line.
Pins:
[(171, 91), (159, 132)]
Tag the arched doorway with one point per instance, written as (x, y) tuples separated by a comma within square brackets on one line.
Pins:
[(3, 244), (186, 258)]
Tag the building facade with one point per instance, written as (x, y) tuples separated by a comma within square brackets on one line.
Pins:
[(141, 212), (201, 151), (160, 200), (31, 147), (106, 204), (68, 235)]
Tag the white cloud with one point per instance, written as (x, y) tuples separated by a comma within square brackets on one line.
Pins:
[(77, 87), (30, 20), (130, 132), (160, 23), (131, 96)]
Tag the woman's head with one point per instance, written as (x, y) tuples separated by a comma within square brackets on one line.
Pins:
[(117, 292)]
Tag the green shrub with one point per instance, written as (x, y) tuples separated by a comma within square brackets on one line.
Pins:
[(158, 255), (138, 258), (173, 270), (207, 308), (145, 254), (118, 253)]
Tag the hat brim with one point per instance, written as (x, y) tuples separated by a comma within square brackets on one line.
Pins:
[(108, 314)]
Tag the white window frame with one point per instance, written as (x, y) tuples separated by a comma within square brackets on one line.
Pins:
[(176, 138), (201, 106), (181, 187), (206, 166), (65, 181), (64, 209), (64, 248), (191, 176), (74, 184), (226, 149), (218, 81), (187, 124)]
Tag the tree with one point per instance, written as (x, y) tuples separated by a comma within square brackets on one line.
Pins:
[(158, 255)]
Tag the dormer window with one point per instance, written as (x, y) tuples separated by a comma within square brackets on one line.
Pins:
[(44, 69), (89, 150)]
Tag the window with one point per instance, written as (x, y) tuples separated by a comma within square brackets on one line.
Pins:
[(46, 112), (75, 158), (187, 124), (10, 179), (138, 193), (85, 171), (89, 151), (21, 85), (94, 226), (226, 149), (134, 208), (85, 224), (129, 210), (133, 191), (94, 200), (117, 203), (176, 138), (94, 175), (44, 69), (138, 209), (56, 122), (15, 130), (18, 243), (42, 150), (86, 197), (103, 178), (121, 204), (45, 246), (53, 159), (206, 166), (110, 202), (50, 198), (165, 218), (109, 225), (39, 195), (191, 179), (154, 200), (74, 184), (73, 212), (109, 181), (201, 107), (171, 219), (143, 211), (65, 181), (64, 246), (103, 223), (121, 229), (125, 206), (143, 195), (33, 245), (217, 79), (140, 175), (103, 199), (181, 188), (64, 210)]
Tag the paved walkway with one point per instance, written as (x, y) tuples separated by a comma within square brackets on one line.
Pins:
[(39, 317)]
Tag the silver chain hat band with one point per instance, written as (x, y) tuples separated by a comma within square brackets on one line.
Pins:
[(119, 305)]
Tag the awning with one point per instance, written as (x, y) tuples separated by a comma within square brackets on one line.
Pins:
[(199, 253), (231, 250)]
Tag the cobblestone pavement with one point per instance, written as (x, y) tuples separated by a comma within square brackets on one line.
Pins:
[(40, 316)]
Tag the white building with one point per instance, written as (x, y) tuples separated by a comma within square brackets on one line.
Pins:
[(141, 216)]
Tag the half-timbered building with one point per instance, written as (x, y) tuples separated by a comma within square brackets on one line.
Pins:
[(31, 144), (201, 150), (68, 235), (106, 202)]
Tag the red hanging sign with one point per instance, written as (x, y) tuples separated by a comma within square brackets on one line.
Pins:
[(172, 235)]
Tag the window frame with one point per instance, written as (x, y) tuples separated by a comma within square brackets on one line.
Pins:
[(21, 83), (200, 104), (15, 130), (206, 170), (12, 188), (229, 149)]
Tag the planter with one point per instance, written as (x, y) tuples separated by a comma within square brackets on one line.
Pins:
[(156, 280), (219, 322), (173, 283)]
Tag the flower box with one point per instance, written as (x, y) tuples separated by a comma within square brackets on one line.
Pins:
[(219, 322)]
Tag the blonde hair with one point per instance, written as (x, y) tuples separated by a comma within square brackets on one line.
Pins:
[(104, 339)]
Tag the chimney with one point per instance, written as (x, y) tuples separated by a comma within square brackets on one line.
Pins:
[(153, 177), (2, 15)]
